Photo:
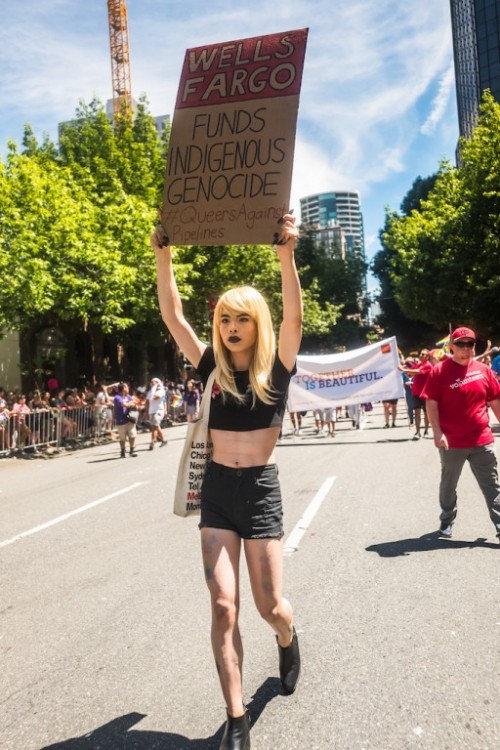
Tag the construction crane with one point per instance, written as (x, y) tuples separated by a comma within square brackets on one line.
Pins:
[(120, 59)]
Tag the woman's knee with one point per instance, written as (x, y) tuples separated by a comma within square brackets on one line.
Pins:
[(273, 610), (225, 611), (270, 611)]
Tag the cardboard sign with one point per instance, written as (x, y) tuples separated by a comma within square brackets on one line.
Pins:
[(230, 156)]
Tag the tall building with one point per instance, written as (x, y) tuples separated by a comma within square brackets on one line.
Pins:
[(476, 48), (340, 208)]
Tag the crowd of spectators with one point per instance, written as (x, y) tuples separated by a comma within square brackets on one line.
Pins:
[(63, 416)]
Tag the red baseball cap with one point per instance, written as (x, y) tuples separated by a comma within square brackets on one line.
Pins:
[(462, 333)]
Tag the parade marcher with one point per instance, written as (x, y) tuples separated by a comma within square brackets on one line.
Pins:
[(458, 392), (191, 400), (495, 364), (354, 414), (408, 382), (123, 404), (319, 421), (330, 420), (419, 374), (390, 411), (156, 400), (241, 499), (296, 422)]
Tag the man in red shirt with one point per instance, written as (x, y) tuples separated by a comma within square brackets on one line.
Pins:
[(458, 391), (419, 375)]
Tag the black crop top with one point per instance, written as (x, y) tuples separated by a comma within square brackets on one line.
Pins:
[(230, 415)]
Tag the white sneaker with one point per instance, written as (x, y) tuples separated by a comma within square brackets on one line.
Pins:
[(446, 532)]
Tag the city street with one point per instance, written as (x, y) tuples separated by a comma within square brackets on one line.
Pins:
[(104, 614)]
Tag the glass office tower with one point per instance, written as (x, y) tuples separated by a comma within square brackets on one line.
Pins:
[(341, 208), (476, 49)]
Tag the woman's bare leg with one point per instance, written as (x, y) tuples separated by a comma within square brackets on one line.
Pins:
[(221, 554), (265, 568)]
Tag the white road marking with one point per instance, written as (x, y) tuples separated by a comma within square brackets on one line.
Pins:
[(293, 540), (75, 512)]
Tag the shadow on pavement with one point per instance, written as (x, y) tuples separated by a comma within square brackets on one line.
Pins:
[(143, 448), (335, 441), (103, 460), (427, 543), (116, 735)]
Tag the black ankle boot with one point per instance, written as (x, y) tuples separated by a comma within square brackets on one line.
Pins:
[(237, 733), (289, 664)]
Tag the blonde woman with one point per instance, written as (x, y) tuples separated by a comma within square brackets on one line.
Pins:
[(241, 500)]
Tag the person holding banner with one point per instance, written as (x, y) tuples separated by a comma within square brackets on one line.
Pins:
[(240, 499)]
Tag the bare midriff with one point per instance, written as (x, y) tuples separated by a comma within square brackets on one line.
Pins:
[(244, 449)]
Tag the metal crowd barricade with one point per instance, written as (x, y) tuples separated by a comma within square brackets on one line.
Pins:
[(7, 437), (56, 427)]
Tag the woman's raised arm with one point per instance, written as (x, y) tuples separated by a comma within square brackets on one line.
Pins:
[(291, 326), (170, 301)]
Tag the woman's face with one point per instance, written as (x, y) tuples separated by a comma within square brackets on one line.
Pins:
[(238, 332)]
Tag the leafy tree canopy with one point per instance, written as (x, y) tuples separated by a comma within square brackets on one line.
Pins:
[(63, 255), (442, 258), (75, 223)]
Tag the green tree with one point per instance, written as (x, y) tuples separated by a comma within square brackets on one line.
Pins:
[(72, 259), (385, 267), (418, 192), (445, 257), (480, 227), (337, 285), (75, 224), (112, 161)]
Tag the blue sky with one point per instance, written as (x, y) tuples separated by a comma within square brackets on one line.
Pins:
[(377, 105)]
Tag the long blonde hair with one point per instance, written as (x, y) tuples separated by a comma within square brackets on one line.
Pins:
[(238, 301)]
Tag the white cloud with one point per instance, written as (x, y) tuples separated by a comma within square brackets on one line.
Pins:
[(440, 101), (52, 80)]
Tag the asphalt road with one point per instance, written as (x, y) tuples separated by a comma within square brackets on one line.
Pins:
[(104, 615)]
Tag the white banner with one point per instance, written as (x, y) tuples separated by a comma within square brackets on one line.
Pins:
[(356, 377)]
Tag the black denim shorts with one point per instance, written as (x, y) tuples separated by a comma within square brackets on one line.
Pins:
[(247, 501)]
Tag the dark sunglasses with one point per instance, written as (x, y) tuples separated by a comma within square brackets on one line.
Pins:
[(465, 344)]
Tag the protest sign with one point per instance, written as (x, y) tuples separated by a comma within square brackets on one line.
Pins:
[(356, 377), (230, 156)]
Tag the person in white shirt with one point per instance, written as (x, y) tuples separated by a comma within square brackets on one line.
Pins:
[(156, 399)]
